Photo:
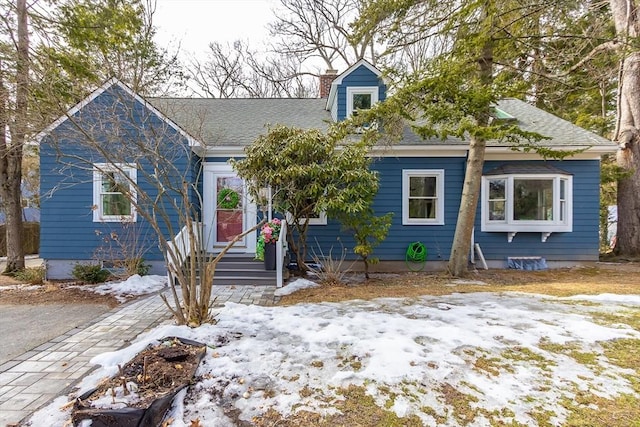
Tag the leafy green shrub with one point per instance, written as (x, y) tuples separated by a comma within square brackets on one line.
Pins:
[(31, 275), (90, 273)]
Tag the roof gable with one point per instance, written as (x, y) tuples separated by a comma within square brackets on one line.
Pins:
[(360, 63), (363, 63), (109, 84)]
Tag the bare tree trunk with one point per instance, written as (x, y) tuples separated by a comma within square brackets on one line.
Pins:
[(11, 152), (459, 258), (628, 138), (627, 23), (628, 229)]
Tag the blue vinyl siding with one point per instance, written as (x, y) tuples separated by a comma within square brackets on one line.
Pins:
[(69, 233), (582, 244), (112, 118), (579, 245), (437, 238), (361, 76)]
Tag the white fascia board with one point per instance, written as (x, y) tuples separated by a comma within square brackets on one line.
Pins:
[(440, 150), (224, 151)]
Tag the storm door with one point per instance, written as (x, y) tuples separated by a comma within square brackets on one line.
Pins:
[(227, 210)]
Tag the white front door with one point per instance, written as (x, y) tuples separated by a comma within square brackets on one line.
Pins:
[(227, 211)]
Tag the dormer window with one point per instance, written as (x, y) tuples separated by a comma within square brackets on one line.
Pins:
[(361, 98)]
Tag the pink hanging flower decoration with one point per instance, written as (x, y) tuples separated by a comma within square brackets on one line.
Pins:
[(271, 230)]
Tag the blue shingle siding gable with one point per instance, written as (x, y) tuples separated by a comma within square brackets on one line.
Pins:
[(116, 121), (359, 77)]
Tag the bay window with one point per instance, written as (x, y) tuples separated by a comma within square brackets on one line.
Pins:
[(527, 203)]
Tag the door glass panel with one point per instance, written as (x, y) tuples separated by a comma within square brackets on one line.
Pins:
[(229, 209)]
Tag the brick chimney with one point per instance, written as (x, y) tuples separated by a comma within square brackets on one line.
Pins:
[(325, 82)]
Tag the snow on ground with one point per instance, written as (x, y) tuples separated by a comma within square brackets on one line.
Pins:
[(614, 298), (403, 350), (295, 286), (22, 287), (135, 285)]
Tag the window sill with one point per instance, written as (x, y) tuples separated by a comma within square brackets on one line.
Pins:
[(409, 222), (115, 219)]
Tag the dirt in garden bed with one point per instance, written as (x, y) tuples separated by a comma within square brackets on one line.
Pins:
[(51, 292), (154, 372)]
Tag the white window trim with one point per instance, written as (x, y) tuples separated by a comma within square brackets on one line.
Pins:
[(512, 226), (321, 220), (98, 170), (439, 175), (357, 90)]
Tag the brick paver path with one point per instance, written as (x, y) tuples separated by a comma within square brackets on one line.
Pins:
[(33, 379)]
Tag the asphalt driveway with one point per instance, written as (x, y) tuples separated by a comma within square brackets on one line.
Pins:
[(25, 327)]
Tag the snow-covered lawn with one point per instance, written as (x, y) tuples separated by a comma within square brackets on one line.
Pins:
[(135, 285), (507, 357)]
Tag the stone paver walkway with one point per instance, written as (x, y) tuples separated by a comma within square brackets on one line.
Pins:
[(36, 377)]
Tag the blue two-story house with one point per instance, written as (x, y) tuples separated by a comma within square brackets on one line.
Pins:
[(528, 207)]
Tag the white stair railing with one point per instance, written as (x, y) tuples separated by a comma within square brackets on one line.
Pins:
[(179, 248), (281, 251)]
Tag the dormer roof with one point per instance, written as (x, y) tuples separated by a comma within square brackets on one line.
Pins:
[(338, 80)]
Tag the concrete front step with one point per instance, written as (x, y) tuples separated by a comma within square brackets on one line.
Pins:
[(242, 270), (222, 280), (242, 266)]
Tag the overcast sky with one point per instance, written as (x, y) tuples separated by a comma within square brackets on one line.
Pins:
[(196, 23)]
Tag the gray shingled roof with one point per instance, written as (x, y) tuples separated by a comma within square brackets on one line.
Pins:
[(532, 119), (561, 132), (239, 121), (536, 168)]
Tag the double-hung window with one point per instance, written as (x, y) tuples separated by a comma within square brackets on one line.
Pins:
[(114, 192), (527, 203), (423, 197)]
